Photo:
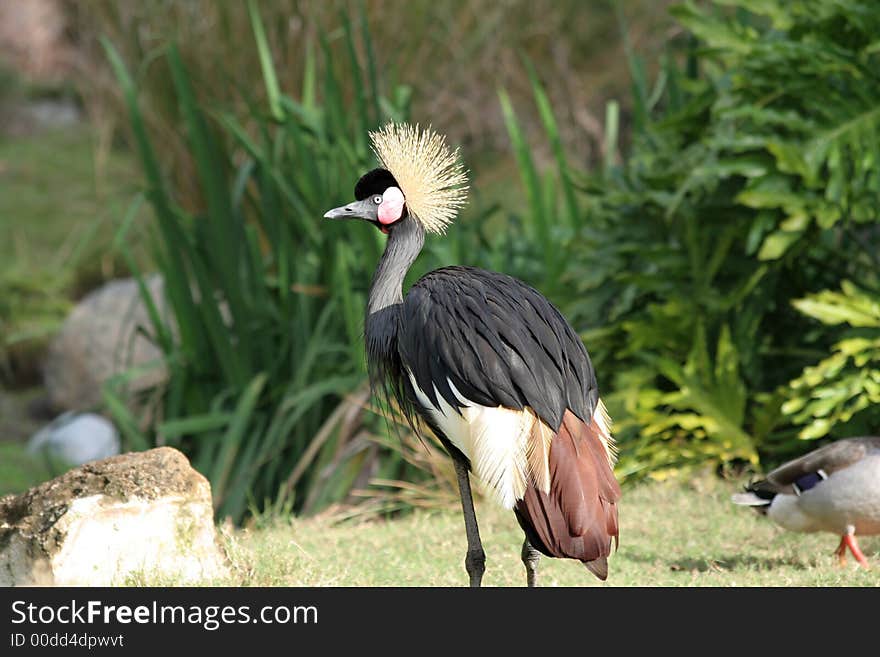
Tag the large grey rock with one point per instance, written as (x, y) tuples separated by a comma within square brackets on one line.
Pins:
[(144, 514), (100, 338)]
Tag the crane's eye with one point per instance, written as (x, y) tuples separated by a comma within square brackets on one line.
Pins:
[(377, 199)]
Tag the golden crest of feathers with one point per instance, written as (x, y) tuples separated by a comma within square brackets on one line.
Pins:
[(431, 176)]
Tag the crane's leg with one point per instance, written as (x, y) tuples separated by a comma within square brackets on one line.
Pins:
[(530, 557), (475, 561)]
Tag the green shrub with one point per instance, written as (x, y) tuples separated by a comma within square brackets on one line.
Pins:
[(840, 395), (751, 182)]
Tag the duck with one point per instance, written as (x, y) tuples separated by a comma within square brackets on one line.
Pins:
[(835, 488)]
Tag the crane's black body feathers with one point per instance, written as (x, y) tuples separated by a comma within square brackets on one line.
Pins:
[(388, 380), (499, 342), (468, 337)]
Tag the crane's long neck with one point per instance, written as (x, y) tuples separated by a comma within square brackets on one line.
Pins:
[(404, 245), (386, 292)]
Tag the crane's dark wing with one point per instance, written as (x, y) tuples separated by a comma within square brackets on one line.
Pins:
[(500, 343)]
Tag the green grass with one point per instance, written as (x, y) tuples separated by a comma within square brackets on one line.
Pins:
[(60, 207), (671, 535), (19, 470), (55, 187)]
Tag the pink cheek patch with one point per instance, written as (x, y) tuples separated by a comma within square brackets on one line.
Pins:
[(392, 206)]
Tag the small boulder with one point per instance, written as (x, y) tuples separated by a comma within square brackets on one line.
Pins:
[(103, 336), (143, 514), (73, 439)]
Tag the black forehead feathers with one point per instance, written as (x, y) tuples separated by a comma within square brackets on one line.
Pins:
[(374, 182)]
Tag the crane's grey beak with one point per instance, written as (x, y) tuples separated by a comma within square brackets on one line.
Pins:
[(365, 209)]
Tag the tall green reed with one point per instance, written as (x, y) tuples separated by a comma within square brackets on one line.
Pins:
[(264, 337)]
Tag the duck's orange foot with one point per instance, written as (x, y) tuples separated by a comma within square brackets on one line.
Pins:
[(841, 552), (850, 541)]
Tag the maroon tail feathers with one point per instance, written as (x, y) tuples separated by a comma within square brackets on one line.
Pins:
[(578, 518)]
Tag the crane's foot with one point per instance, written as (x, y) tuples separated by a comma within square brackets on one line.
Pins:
[(530, 557), (475, 560), (475, 564)]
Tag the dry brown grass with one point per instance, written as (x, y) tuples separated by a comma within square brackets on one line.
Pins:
[(453, 55)]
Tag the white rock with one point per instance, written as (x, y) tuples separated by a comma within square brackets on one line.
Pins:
[(72, 439), (141, 515)]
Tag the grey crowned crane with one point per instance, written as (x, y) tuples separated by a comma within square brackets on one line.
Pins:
[(835, 488), (485, 362)]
